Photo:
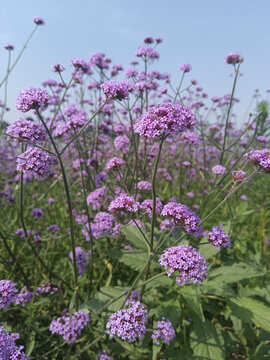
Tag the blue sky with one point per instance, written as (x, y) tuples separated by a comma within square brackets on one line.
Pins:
[(199, 32)]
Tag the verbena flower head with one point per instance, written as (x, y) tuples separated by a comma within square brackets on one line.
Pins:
[(128, 324), (24, 296), (115, 90), (8, 349), (115, 163), (70, 330), (36, 162), (218, 237), (58, 68), (147, 52), (163, 120), (38, 20), (187, 261), (219, 169), (121, 142), (28, 130), (164, 332), (32, 99), (234, 59), (8, 293), (80, 64), (105, 224), (36, 213), (238, 175), (185, 67), (148, 206), (260, 158), (9, 47), (81, 259), (95, 198), (183, 217), (144, 185), (103, 356), (124, 202)]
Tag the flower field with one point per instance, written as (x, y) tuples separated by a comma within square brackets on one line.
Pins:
[(134, 215)]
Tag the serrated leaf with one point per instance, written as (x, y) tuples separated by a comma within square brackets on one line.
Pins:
[(192, 296), (251, 311), (136, 259), (134, 236), (234, 273), (206, 341), (217, 288), (106, 296)]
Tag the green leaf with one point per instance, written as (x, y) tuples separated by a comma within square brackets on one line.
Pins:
[(134, 236), (206, 341), (234, 273), (192, 296), (106, 295), (217, 288), (136, 259), (251, 311), (261, 352)]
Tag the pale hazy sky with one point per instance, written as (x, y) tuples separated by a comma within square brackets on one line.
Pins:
[(198, 32)]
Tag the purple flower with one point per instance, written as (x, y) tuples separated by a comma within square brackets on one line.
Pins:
[(148, 206), (187, 261), (80, 259), (9, 47), (238, 175), (8, 293), (27, 130), (32, 99), (105, 224), (121, 142), (36, 162), (218, 237), (103, 356), (261, 158), (38, 21), (128, 324), (164, 120), (234, 59), (183, 217), (244, 197), (115, 90), (124, 203), (53, 228), (185, 67), (70, 330), (219, 169), (164, 331), (46, 288), (95, 198), (144, 185), (24, 296), (8, 348), (36, 213), (115, 163), (80, 64), (58, 68), (148, 40), (147, 52)]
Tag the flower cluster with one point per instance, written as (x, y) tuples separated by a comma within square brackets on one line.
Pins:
[(115, 90), (144, 185), (114, 163), (38, 20), (234, 59), (219, 169), (124, 203), (70, 330), (238, 175), (147, 52), (164, 331), (8, 293), (128, 324), (32, 99), (36, 213), (95, 198), (185, 67), (164, 120), (187, 261), (28, 130), (81, 259), (103, 356), (218, 237), (36, 162), (104, 224), (148, 206), (8, 348), (261, 158), (121, 142), (184, 217)]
